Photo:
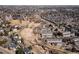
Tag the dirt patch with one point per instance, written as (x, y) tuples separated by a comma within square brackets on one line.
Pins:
[(28, 36)]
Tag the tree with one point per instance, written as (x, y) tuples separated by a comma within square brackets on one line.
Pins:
[(3, 42), (19, 51), (30, 47)]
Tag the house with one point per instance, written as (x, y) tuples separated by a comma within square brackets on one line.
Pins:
[(55, 41), (76, 39), (1, 32), (19, 40), (15, 30), (12, 46), (8, 17), (46, 33), (76, 43), (66, 34), (26, 50)]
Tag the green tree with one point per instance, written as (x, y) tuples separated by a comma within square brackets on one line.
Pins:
[(19, 51)]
